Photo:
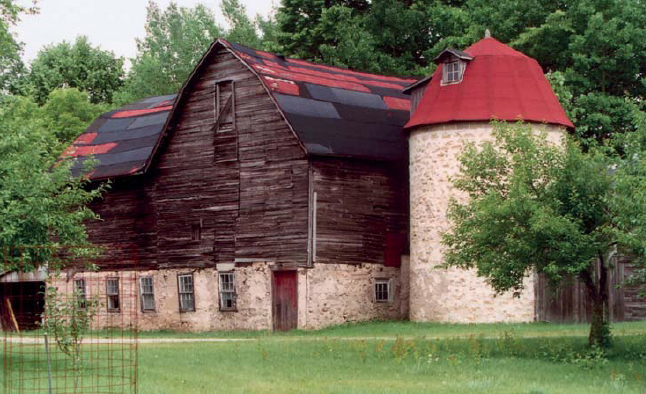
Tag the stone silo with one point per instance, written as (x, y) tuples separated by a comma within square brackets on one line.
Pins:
[(489, 80)]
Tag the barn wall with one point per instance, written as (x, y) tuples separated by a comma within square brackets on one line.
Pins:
[(127, 230), (245, 187), (361, 209), (570, 302)]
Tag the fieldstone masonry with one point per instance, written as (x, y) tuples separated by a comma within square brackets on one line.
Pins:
[(327, 294), (454, 295)]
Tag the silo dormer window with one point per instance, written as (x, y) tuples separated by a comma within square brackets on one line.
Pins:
[(453, 63), (453, 72)]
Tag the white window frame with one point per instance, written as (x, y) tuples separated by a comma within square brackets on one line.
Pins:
[(113, 304), (147, 291), (186, 292), (379, 290), (80, 292), (227, 290), (453, 71)]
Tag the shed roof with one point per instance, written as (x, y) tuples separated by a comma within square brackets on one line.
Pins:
[(499, 83), (332, 110)]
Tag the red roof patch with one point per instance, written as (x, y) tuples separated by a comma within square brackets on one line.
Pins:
[(75, 151), (140, 112), (397, 103)]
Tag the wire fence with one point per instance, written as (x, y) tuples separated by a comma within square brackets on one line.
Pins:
[(70, 332)]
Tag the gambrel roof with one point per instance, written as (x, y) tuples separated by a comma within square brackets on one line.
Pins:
[(333, 111)]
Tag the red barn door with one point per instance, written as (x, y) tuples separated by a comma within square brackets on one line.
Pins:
[(285, 309)]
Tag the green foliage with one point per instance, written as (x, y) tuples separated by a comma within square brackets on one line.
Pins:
[(177, 38), (42, 206), (78, 65), (631, 182), (12, 69), (67, 319), (68, 112), (535, 207)]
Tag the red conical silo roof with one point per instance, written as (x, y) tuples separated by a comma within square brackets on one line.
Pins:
[(499, 83)]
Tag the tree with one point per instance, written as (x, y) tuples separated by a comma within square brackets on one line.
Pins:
[(12, 69), (65, 115), (631, 180), (177, 37), (78, 65), (299, 24), (68, 112), (41, 203), (68, 318), (242, 29), (536, 207)]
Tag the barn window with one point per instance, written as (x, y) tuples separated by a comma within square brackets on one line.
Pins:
[(383, 291), (196, 232), (225, 105), (112, 291), (186, 293), (147, 294), (227, 291), (79, 287), (452, 72)]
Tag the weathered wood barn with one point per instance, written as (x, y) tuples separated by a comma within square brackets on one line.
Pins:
[(270, 192), (274, 193)]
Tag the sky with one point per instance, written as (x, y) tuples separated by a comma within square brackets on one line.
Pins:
[(111, 24)]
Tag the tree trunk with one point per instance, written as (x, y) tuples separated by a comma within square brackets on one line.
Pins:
[(598, 325), (598, 292)]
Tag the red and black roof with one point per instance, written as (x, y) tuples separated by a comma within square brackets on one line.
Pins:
[(333, 111), (499, 83), (122, 140)]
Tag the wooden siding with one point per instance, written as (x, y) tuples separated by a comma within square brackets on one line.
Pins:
[(358, 204), (570, 303), (247, 187), (127, 232)]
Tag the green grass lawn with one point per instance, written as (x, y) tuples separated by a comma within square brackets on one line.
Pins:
[(507, 364), (399, 357), (392, 329)]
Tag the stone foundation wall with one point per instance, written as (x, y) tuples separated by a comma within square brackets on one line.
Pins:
[(452, 295), (253, 286), (342, 293), (327, 294)]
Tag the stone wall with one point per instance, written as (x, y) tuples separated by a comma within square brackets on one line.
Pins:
[(452, 295), (253, 286), (343, 293), (327, 294)]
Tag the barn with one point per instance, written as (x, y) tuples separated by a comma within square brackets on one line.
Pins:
[(269, 193), (274, 193)]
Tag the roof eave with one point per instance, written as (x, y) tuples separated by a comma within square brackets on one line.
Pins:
[(450, 51), (409, 89)]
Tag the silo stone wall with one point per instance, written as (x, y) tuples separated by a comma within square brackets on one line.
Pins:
[(454, 295)]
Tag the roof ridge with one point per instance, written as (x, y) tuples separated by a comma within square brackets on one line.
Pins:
[(314, 64)]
